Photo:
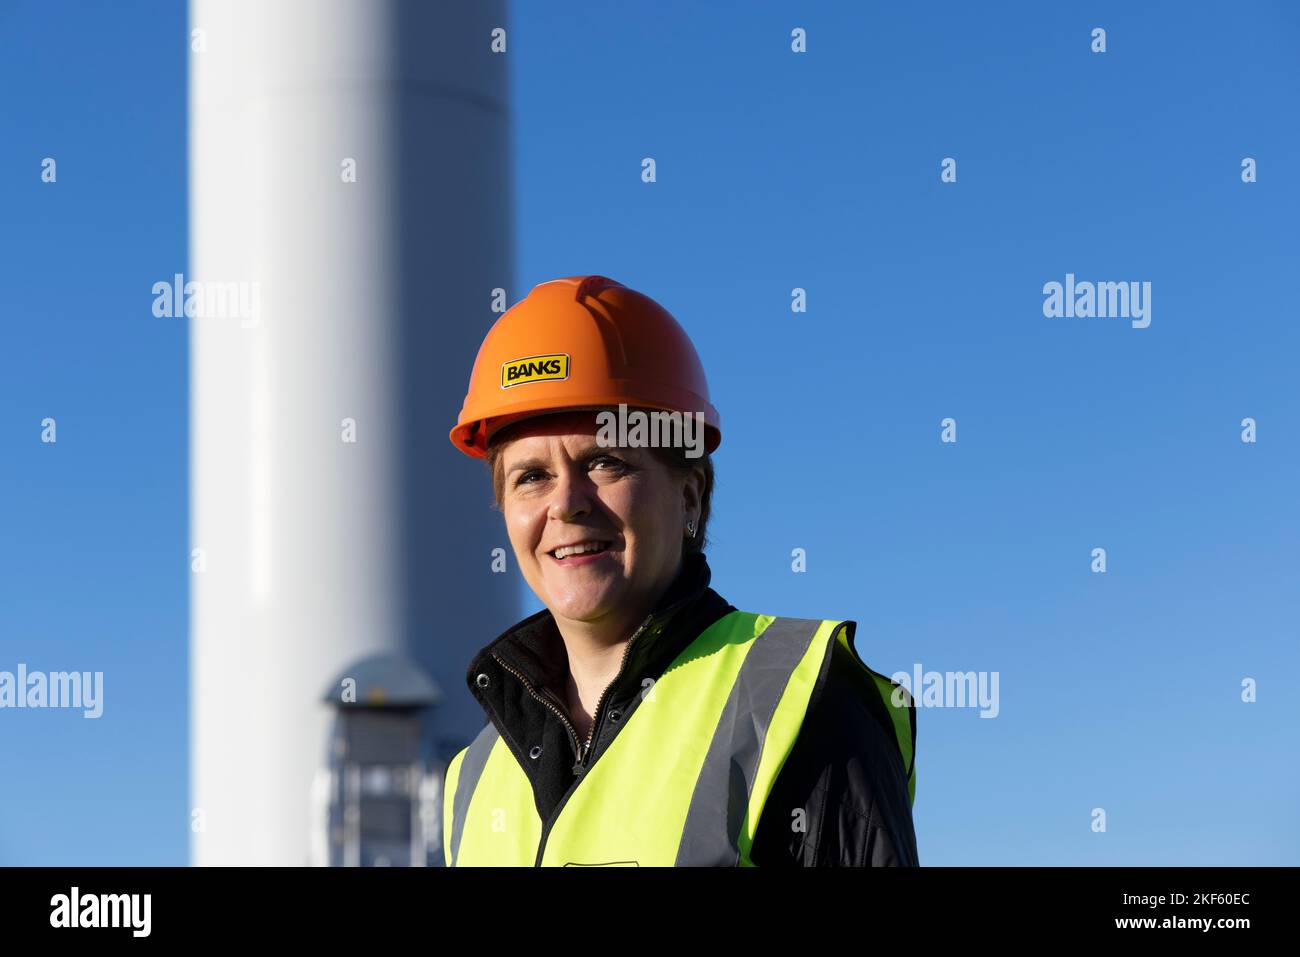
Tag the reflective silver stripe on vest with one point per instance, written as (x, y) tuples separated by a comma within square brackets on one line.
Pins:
[(471, 769), (711, 836)]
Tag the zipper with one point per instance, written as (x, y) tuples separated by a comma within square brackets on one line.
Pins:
[(573, 732), (581, 748), (585, 750), (586, 746)]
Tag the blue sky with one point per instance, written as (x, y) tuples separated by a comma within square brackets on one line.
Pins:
[(774, 171)]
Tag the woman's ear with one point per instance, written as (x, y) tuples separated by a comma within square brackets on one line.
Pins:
[(693, 492)]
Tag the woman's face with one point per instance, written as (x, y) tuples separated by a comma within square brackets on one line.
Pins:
[(560, 488)]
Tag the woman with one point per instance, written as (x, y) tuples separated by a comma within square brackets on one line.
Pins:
[(640, 718)]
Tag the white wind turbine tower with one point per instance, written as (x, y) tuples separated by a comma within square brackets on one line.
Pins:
[(350, 160)]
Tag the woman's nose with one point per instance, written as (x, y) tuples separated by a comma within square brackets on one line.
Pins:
[(571, 494)]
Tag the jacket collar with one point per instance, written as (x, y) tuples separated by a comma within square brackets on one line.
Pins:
[(535, 649)]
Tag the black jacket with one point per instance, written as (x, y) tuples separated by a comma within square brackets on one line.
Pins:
[(845, 770)]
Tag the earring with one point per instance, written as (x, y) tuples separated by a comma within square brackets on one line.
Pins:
[(690, 527)]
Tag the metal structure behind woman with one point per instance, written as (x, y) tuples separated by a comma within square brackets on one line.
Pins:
[(640, 719)]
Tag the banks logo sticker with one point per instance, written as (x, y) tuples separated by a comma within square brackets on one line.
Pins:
[(534, 369)]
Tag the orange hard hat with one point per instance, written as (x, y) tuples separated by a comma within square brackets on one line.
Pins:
[(584, 342)]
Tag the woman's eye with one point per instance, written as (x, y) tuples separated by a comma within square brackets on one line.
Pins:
[(615, 464), (609, 460)]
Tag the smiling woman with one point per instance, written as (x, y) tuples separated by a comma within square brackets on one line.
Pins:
[(597, 531), (640, 718)]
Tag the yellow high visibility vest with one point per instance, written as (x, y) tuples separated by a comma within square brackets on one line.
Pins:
[(684, 781)]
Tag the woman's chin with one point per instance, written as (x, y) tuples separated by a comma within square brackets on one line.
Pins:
[(584, 604)]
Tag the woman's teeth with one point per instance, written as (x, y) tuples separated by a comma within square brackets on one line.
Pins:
[(561, 553)]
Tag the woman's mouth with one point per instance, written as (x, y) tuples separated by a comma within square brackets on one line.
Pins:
[(581, 554)]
